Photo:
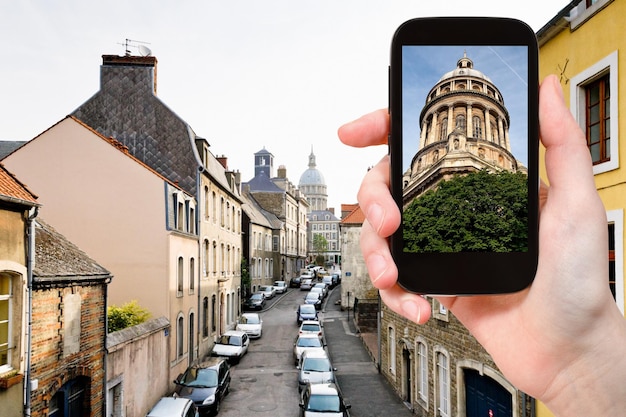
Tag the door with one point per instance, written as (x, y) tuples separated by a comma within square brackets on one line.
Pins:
[(69, 400), (406, 372), (485, 397)]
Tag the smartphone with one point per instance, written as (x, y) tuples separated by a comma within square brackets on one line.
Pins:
[(464, 140)]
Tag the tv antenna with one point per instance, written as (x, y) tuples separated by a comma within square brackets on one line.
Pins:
[(141, 47)]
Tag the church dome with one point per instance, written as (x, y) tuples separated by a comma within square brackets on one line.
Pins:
[(464, 68), (311, 176)]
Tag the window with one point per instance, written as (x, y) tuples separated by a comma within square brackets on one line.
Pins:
[(444, 129), (422, 371), (590, 101), (460, 122), (192, 275), (213, 313), (392, 350), (205, 264), (214, 206), (5, 321), (598, 128), (205, 317), (179, 285), (207, 199), (180, 329), (180, 215), (478, 128), (615, 257), (443, 384)]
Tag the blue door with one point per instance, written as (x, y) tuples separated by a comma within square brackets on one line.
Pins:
[(484, 397), (69, 400)]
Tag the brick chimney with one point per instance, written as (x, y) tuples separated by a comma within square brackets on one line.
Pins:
[(136, 70), (282, 172), (223, 160)]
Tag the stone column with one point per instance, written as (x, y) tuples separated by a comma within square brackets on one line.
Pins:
[(433, 127), (501, 133), (423, 134), (450, 119), (470, 122), (487, 125)]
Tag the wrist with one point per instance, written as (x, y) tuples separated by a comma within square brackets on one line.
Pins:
[(593, 384)]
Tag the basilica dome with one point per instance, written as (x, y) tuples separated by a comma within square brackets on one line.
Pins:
[(313, 186)]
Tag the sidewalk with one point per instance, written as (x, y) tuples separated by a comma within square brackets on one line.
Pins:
[(363, 387)]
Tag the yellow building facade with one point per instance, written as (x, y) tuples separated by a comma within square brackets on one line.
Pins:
[(585, 45)]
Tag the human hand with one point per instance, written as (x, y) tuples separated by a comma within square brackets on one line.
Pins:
[(552, 339)]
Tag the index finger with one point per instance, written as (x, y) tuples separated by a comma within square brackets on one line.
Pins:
[(368, 130)]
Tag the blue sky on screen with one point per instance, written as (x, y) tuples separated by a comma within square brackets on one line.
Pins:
[(505, 66)]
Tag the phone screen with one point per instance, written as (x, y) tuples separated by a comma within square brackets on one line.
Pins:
[(465, 153), (463, 145)]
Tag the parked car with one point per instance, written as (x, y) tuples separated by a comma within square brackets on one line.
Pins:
[(255, 302), (268, 291), (329, 281), (173, 407), (323, 400), (306, 342), (314, 298), (308, 274), (314, 367), (320, 272), (233, 344), (323, 287), (306, 312), (280, 287), (306, 284), (252, 324), (310, 326), (206, 384), (295, 282)]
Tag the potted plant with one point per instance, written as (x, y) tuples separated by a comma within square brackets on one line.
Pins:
[(9, 379)]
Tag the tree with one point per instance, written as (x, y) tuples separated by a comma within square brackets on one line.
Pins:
[(320, 245), (480, 211), (130, 314), (246, 281)]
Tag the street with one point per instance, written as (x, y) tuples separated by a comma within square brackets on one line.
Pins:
[(265, 381)]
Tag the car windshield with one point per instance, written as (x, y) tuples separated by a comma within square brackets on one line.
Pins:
[(265, 289), (309, 342), (249, 319), (307, 309), (200, 378), (316, 365), (324, 403), (310, 328), (256, 297), (312, 296), (230, 340)]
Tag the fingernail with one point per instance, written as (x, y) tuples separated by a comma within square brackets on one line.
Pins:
[(411, 310), (376, 216), (377, 266)]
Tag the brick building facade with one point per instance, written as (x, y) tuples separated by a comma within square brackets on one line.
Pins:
[(68, 328)]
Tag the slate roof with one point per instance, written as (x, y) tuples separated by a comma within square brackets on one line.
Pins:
[(262, 182), (12, 190), (321, 215), (257, 214), (59, 260), (8, 146), (127, 109)]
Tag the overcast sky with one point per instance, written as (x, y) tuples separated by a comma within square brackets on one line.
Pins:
[(245, 74)]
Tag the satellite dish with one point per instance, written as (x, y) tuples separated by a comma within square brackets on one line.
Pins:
[(144, 50)]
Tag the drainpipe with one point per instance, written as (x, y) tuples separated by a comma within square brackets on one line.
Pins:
[(198, 218), (30, 265), (378, 324)]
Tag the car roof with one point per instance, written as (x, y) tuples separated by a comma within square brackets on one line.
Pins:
[(327, 388), (310, 322), (249, 314), (308, 336), (170, 406), (209, 362), (314, 354), (234, 333)]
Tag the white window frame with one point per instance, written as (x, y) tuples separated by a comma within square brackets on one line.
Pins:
[(9, 298), (391, 340), (578, 83), (617, 218), (442, 383), (421, 372)]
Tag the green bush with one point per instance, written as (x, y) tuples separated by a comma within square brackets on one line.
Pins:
[(125, 316)]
